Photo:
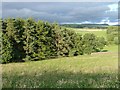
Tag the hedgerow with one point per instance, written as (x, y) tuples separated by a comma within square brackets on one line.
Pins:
[(30, 40)]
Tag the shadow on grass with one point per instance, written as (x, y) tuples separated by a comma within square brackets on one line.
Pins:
[(60, 79)]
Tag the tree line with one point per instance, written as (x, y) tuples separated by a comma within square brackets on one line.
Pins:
[(92, 26), (30, 40)]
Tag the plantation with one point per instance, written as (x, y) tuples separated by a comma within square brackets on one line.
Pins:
[(30, 40)]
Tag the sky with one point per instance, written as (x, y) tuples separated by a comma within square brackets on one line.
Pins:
[(64, 12)]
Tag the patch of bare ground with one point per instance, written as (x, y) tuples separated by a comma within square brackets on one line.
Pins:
[(116, 53)]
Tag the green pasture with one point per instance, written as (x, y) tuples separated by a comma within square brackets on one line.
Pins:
[(97, 32), (98, 70)]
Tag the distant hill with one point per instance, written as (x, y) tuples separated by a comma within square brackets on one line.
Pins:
[(85, 25), (116, 25)]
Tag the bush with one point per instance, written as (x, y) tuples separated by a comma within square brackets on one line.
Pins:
[(89, 41), (101, 42), (112, 34)]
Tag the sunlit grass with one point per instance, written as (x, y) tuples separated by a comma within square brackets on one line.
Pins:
[(111, 48), (97, 32), (96, 70)]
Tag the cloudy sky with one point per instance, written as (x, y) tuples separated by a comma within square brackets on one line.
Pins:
[(64, 12)]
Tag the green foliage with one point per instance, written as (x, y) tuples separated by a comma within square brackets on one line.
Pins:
[(30, 40), (57, 40), (89, 43), (14, 30), (101, 42), (99, 26), (8, 31), (7, 49), (112, 35), (19, 52), (0, 39)]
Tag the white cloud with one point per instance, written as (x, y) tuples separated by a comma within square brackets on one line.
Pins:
[(87, 22), (107, 21), (113, 7)]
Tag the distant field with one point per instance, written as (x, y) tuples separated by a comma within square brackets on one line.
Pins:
[(96, 70), (98, 32)]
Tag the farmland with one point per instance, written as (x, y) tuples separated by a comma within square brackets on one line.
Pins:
[(98, 32)]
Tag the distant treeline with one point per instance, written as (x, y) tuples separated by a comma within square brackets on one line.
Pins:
[(30, 40), (99, 26)]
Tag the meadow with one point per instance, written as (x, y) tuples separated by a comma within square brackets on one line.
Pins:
[(98, 70), (97, 32)]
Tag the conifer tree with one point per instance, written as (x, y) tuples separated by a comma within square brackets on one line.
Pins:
[(39, 49), (18, 39), (29, 38), (7, 49), (58, 39)]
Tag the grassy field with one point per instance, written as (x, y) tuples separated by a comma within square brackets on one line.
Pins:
[(93, 71), (98, 70), (97, 32)]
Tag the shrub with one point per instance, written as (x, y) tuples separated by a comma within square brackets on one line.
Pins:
[(101, 42), (89, 42), (112, 33)]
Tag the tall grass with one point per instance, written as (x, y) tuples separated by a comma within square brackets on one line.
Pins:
[(87, 71)]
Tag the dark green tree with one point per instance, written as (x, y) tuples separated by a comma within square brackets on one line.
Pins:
[(89, 43), (40, 40), (7, 49), (29, 38), (100, 43)]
